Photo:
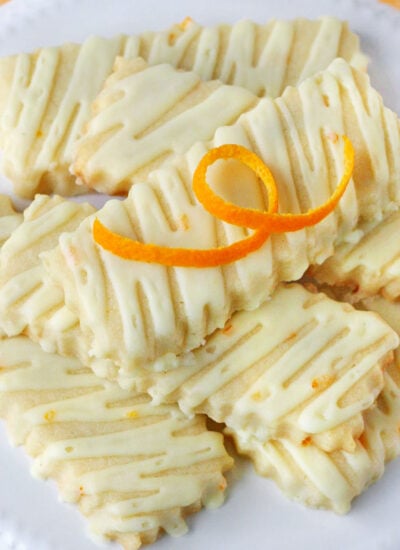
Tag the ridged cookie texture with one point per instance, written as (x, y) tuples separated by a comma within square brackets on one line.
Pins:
[(144, 115), (326, 357), (138, 313), (9, 221), (26, 303), (369, 266), (30, 303), (306, 375), (315, 478), (134, 469), (45, 96), (263, 58), (9, 218)]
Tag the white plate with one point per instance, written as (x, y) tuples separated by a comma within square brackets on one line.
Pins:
[(256, 516)]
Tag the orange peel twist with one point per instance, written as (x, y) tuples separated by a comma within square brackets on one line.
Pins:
[(262, 222)]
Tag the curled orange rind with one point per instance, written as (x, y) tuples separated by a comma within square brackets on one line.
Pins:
[(262, 222)]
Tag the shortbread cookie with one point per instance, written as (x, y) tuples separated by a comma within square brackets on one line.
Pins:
[(388, 400), (244, 370), (118, 457), (388, 310), (24, 301), (248, 352), (144, 115), (369, 266), (233, 378), (138, 312), (315, 478), (331, 480), (9, 218), (264, 59), (45, 96), (301, 366), (30, 303), (9, 221)]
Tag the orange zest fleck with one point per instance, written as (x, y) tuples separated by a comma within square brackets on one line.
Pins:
[(171, 39), (363, 440), (322, 382), (185, 222), (185, 23), (227, 328), (306, 441), (333, 137), (49, 416), (262, 222), (256, 396)]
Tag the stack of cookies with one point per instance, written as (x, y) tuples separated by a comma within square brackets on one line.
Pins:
[(111, 367)]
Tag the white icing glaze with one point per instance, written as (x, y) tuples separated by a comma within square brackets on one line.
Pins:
[(121, 324), (9, 218), (331, 480), (49, 92), (368, 266), (115, 149), (154, 462), (9, 221), (270, 376), (262, 58), (279, 398), (25, 299)]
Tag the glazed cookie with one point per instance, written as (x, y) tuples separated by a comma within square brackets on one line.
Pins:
[(139, 312), (325, 357), (146, 114), (26, 304), (9, 218), (368, 266), (45, 96), (119, 458), (331, 480)]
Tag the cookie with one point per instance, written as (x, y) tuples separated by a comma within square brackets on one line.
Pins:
[(367, 267), (49, 93), (326, 357), (119, 458), (169, 111), (26, 304), (264, 59), (45, 96), (319, 479), (9, 218), (9, 221), (137, 312), (303, 375), (146, 114)]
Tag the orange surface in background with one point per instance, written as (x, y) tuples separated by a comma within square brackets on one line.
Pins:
[(394, 3), (3, 1)]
